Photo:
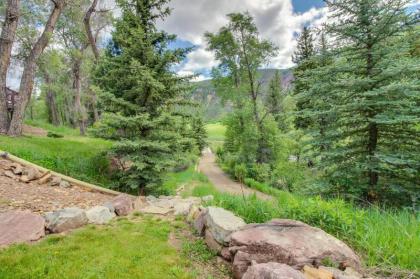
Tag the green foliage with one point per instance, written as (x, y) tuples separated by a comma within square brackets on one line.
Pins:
[(83, 158), (122, 249), (361, 103), (385, 239), (143, 98), (198, 250)]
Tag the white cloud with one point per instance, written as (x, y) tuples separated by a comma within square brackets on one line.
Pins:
[(275, 20)]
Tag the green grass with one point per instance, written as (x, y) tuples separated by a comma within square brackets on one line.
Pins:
[(63, 130), (384, 239), (79, 157), (216, 135), (122, 249), (188, 178)]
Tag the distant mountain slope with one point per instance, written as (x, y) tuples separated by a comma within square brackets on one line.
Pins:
[(205, 94)]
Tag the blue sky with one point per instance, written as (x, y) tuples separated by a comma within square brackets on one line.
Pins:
[(301, 6)]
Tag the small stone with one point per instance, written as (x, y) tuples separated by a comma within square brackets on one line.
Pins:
[(17, 169), (9, 174), (64, 184), (55, 181), (31, 173), (99, 215), (123, 204), (24, 179)]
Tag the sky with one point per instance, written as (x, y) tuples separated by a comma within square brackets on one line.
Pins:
[(277, 20)]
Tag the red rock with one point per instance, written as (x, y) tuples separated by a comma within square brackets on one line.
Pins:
[(123, 204), (290, 242), (20, 226), (272, 271)]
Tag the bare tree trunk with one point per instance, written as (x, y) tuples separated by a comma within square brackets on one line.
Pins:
[(27, 81), (51, 103), (78, 108), (86, 21), (6, 42), (95, 108)]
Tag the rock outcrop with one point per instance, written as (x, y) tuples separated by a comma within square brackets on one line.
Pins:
[(20, 226), (287, 241), (222, 223)]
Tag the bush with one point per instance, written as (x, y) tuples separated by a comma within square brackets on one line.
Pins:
[(54, 135)]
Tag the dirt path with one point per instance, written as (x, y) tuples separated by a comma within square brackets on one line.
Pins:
[(222, 181)]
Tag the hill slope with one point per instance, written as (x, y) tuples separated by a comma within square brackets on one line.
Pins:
[(205, 94)]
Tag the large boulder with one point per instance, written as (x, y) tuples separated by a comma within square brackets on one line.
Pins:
[(123, 204), (272, 271), (20, 226), (221, 223), (99, 215), (290, 242), (66, 219)]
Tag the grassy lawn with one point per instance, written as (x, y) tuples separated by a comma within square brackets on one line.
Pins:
[(79, 157), (216, 135), (137, 248)]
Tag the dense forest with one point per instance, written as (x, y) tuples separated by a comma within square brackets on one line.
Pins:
[(343, 122)]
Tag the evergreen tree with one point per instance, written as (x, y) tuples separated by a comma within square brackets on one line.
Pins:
[(274, 101), (374, 138), (141, 96), (199, 133), (305, 50)]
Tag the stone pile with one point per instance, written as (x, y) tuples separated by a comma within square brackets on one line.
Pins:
[(27, 174), (24, 226), (278, 249)]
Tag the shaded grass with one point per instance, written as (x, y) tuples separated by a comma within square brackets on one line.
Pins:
[(385, 239), (62, 130), (79, 157), (123, 249)]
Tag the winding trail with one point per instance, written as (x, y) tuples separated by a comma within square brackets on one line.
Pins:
[(221, 180)]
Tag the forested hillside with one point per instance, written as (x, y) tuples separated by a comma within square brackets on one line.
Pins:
[(216, 108)]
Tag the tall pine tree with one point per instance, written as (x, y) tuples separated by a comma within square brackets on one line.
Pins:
[(305, 50), (141, 96), (374, 138)]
